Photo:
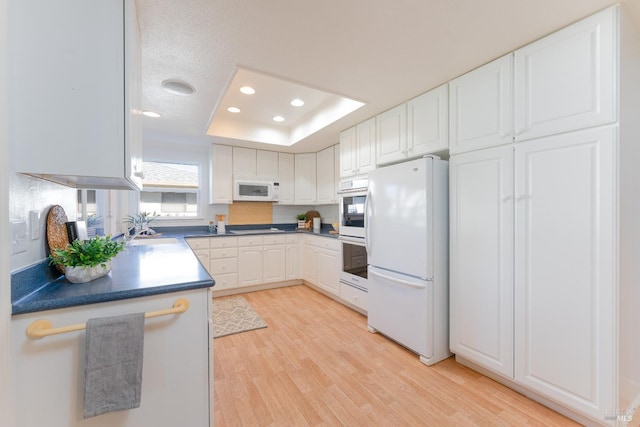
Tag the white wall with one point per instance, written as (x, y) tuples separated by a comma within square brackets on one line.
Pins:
[(6, 387), (29, 194)]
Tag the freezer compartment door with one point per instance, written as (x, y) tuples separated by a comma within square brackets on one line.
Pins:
[(401, 307)]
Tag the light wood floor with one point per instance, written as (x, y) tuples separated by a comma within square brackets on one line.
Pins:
[(316, 364)]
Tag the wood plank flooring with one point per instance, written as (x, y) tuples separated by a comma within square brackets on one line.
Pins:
[(317, 365)]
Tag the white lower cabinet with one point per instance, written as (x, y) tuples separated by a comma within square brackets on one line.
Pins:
[(564, 268), (547, 207), (274, 261), (176, 374), (292, 257), (321, 263), (481, 261), (249, 260)]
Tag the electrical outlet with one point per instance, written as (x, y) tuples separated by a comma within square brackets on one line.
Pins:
[(34, 224), (18, 237)]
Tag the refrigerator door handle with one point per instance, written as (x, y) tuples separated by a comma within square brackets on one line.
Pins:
[(395, 279), (367, 223)]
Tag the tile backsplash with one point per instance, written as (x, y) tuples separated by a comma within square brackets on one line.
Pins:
[(28, 194)]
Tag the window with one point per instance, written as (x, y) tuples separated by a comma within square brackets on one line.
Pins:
[(91, 207), (170, 190)]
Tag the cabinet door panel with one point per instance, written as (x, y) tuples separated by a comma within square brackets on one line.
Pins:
[(273, 263), (366, 146), (249, 265), (244, 162), (325, 185), (391, 135), (481, 282), (221, 190), (328, 271), (305, 185), (481, 106), (348, 152), (286, 178), (267, 165), (567, 80), (428, 122), (565, 268)]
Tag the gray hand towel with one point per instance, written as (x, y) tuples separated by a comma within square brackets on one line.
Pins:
[(113, 364)]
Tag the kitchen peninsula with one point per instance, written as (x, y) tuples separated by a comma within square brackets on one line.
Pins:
[(177, 379)]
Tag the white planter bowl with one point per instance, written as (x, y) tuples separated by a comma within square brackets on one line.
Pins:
[(83, 275)]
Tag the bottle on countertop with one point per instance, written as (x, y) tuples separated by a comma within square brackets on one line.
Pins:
[(212, 227)]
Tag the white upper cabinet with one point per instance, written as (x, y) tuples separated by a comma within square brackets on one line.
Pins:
[(244, 162), (325, 177), (391, 135), (357, 149), (221, 187), (365, 146), (481, 107), (305, 182), (74, 92), (267, 164), (348, 152), (428, 122), (418, 127), (567, 81), (286, 178)]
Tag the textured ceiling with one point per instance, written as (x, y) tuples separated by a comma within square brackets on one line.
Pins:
[(379, 52)]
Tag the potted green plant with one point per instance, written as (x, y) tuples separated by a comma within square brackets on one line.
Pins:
[(86, 260), (301, 220), (140, 222)]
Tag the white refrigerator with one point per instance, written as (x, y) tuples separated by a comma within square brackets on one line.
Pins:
[(407, 233)]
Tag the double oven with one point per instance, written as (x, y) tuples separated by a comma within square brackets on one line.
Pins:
[(353, 199)]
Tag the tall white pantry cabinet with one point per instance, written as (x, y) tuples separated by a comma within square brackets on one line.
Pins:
[(545, 219)]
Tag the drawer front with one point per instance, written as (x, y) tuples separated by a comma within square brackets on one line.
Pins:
[(223, 266), (354, 296), (279, 239), (250, 241), (198, 243), (203, 256), (291, 238), (322, 242), (224, 253), (224, 242), (225, 281)]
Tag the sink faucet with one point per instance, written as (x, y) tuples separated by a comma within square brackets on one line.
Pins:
[(128, 237)]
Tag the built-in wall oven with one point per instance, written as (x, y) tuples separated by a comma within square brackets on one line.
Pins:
[(354, 263), (353, 198)]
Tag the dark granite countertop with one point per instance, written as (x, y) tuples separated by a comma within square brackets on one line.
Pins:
[(244, 230), (138, 271)]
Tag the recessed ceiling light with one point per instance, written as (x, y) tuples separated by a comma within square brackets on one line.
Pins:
[(151, 114), (178, 88), (297, 102), (233, 109), (247, 90), (278, 119)]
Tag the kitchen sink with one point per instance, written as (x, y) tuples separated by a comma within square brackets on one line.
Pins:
[(152, 241)]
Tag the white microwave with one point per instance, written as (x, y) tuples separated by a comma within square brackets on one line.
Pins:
[(255, 191)]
